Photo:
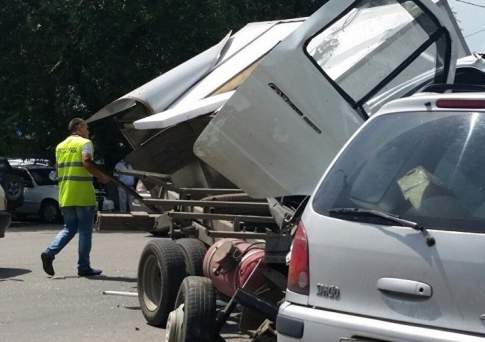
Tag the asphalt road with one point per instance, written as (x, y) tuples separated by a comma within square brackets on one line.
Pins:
[(35, 307)]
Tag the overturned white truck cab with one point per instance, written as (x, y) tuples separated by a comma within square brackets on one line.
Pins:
[(286, 123), (307, 96), (162, 119)]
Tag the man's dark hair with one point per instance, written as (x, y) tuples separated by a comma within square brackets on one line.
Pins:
[(74, 124)]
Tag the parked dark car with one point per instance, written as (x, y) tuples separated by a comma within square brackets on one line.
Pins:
[(12, 184), (5, 217)]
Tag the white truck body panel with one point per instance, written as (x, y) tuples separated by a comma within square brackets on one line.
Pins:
[(288, 120)]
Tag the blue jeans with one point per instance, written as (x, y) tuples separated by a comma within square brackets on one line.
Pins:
[(125, 199), (75, 219)]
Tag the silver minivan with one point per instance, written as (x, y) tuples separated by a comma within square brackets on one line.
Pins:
[(391, 245)]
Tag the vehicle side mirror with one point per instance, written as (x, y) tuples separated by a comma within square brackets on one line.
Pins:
[(53, 176)]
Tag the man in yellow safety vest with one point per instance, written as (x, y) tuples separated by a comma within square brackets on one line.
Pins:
[(77, 197)]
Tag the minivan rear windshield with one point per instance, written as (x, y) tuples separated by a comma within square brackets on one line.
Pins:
[(423, 167)]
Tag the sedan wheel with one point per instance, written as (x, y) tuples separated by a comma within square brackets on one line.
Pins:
[(49, 212)]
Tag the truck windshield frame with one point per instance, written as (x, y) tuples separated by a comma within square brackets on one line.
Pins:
[(420, 19)]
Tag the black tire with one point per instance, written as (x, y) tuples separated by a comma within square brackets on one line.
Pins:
[(50, 212), (14, 190), (160, 271), (199, 299), (194, 251)]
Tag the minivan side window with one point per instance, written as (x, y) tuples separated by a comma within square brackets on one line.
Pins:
[(380, 41)]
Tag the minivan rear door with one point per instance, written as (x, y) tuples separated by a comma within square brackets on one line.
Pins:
[(422, 166), (284, 125)]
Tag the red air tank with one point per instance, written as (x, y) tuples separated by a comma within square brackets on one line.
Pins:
[(230, 262)]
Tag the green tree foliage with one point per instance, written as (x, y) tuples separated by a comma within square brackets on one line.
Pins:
[(67, 58)]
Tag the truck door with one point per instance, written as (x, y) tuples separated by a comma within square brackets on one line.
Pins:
[(284, 125)]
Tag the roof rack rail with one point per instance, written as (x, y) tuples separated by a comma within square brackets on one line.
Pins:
[(458, 87)]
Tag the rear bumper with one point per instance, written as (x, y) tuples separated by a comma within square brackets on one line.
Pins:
[(5, 220), (322, 326)]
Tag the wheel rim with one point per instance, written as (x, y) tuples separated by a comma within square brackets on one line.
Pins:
[(169, 329), (13, 189), (174, 324), (152, 281)]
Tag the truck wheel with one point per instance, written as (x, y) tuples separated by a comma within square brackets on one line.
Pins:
[(198, 300), (194, 251), (50, 212), (160, 271)]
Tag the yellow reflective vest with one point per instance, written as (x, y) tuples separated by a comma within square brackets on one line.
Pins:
[(75, 182)]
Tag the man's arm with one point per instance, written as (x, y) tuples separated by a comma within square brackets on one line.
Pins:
[(119, 166), (93, 169)]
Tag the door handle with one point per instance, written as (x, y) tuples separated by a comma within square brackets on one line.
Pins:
[(405, 286)]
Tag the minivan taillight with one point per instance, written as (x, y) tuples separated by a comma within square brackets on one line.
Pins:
[(461, 103), (299, 271)]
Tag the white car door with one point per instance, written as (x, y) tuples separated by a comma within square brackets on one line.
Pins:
[(284, 125)]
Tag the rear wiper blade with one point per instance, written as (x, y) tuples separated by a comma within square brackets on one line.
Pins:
[(349, 213)]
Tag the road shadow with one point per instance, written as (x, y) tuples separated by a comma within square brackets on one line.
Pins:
[(99, 277), (230, 331), (8, 273), (134, 308), (126, 232), (32, 226), (111, 278)]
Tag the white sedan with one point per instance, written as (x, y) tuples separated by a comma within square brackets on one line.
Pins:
[(41, 193)]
